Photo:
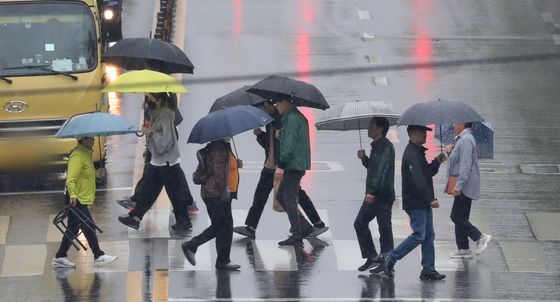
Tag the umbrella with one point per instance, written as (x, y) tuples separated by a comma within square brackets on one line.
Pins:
[(141, 53), (355, 116), (228, 122), (143, 81), (483, 134), (237, 97), (283, 88), (439, 112), (95, 124)]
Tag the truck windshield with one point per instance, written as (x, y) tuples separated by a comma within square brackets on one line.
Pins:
[(57, 34)]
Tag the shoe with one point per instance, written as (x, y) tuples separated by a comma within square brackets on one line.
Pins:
[(369, 263), (129, 222), (461, 254), (433, 275), (384, 267), (482, 243), (62, 262), (228, 267), (127, 203), (104, 260), (245, 231), (292, 240), (182, 227), (192, 209), (189, 252), (317, 231), (319, 224)]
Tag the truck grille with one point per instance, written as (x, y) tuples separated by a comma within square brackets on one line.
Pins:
[(37, 128)]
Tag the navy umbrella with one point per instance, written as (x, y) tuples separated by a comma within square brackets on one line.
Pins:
[(228, 122), (282, 88), (439, 112), (237, 97), (483, 134)]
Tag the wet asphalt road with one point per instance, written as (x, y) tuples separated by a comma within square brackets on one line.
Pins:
[(499, 56)]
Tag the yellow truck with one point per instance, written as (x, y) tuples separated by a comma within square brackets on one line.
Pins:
[(50, 70)]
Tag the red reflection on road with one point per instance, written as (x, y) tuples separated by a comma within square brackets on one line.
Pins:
[(302, 52), (307, 10), (237, 16), (423, 44)]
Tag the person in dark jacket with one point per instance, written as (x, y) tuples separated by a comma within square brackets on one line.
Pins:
[(217, 194), (380, 193), (418, 200), (271, 145)]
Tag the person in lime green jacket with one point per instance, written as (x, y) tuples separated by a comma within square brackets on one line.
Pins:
[(80, 193)]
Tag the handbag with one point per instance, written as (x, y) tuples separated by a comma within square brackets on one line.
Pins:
[(451, 182), (276, 206)]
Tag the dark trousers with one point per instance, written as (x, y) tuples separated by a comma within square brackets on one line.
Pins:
[(264, 187), (175, 183), (463, 228), (221, 228), (288, 195), (369, 211), (74, 226)]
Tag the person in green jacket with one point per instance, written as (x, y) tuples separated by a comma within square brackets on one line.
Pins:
[(295, 159), (80, 193)]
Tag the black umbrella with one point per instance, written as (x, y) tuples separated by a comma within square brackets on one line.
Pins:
[(142, 53), (237, 97), (282, 88), (439, 112)]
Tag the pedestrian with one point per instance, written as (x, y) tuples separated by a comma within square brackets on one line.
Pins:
[(80, 194), (380, 193), (295, 159), (217, 193), (418, 200), (164, 168), (463, 177), (267, 139)]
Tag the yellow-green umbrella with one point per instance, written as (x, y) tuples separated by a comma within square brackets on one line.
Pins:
[(142, 81)]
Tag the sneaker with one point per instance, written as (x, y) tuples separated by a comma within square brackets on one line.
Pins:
[(228, 267), (482, 243), (189, 252), (317, 231), (129, 222), (292, 240), (192, 209), (127, 203), (384, 267), (461, 254), (369, 263), (62, 262), (245, 231), (104, 260), (431, 275), (182, 227)]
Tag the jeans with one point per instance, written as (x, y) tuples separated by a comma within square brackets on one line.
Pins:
[(288, 195), (422, 224), (74, 226), (463, 228), (369, 211), (221, 228)]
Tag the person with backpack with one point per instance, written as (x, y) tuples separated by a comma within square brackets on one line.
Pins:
[(218, 173)]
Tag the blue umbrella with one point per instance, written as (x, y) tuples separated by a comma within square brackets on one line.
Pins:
[(228, 122), (95, 124), (483, 133)]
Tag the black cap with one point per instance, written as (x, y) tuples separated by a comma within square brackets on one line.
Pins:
[(417, 127)]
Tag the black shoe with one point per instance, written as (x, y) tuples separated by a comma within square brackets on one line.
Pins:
[(182, 227), (245, 231), (129, 222), (189, 252), (319, 225), (228, 267), (384, 267), (369, 263), (127, 203), (433, 275), (307, 231), (292, 240)]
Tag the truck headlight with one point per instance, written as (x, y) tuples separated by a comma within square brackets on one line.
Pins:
[(108, 14)]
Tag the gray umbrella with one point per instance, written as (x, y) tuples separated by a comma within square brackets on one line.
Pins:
[(355, 116), (237, 97), (439, 112), (282, 88)]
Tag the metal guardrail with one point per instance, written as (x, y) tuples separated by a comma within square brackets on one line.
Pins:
[(164, 20)]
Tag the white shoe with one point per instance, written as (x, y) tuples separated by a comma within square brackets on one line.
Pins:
[(461, 254), (104, 259), (62, 262), (482, 243)]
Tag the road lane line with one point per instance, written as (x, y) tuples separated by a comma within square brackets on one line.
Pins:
[(134, 286), (4, 225), (161, 286), (363, 15), (24, 260)]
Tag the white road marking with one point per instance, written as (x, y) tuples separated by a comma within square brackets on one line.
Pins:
[(364, 15)]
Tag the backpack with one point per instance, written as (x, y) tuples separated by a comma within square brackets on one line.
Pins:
[(201, 174)]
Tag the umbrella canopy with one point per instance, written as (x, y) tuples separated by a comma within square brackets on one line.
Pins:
[(141, 53), (228, 122), (282, 88), (355, 116), (439, 112), (483, 133), (143, 81), (95, 124), (237, 97)]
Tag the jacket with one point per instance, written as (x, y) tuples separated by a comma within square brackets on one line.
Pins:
[(80, 180), (380, 180), (162, 139), (217, 163), (295, 153), (463, 163), (417, 183)]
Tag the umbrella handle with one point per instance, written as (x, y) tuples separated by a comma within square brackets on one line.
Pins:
[(360, 133)]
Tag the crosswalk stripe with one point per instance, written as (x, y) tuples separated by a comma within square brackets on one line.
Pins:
[(155, 224), (84, 259), (161, 286), (133, 286), (348, 256), (24, 260), (178, 262), (4, 225), (53, 234), (271, 257)]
